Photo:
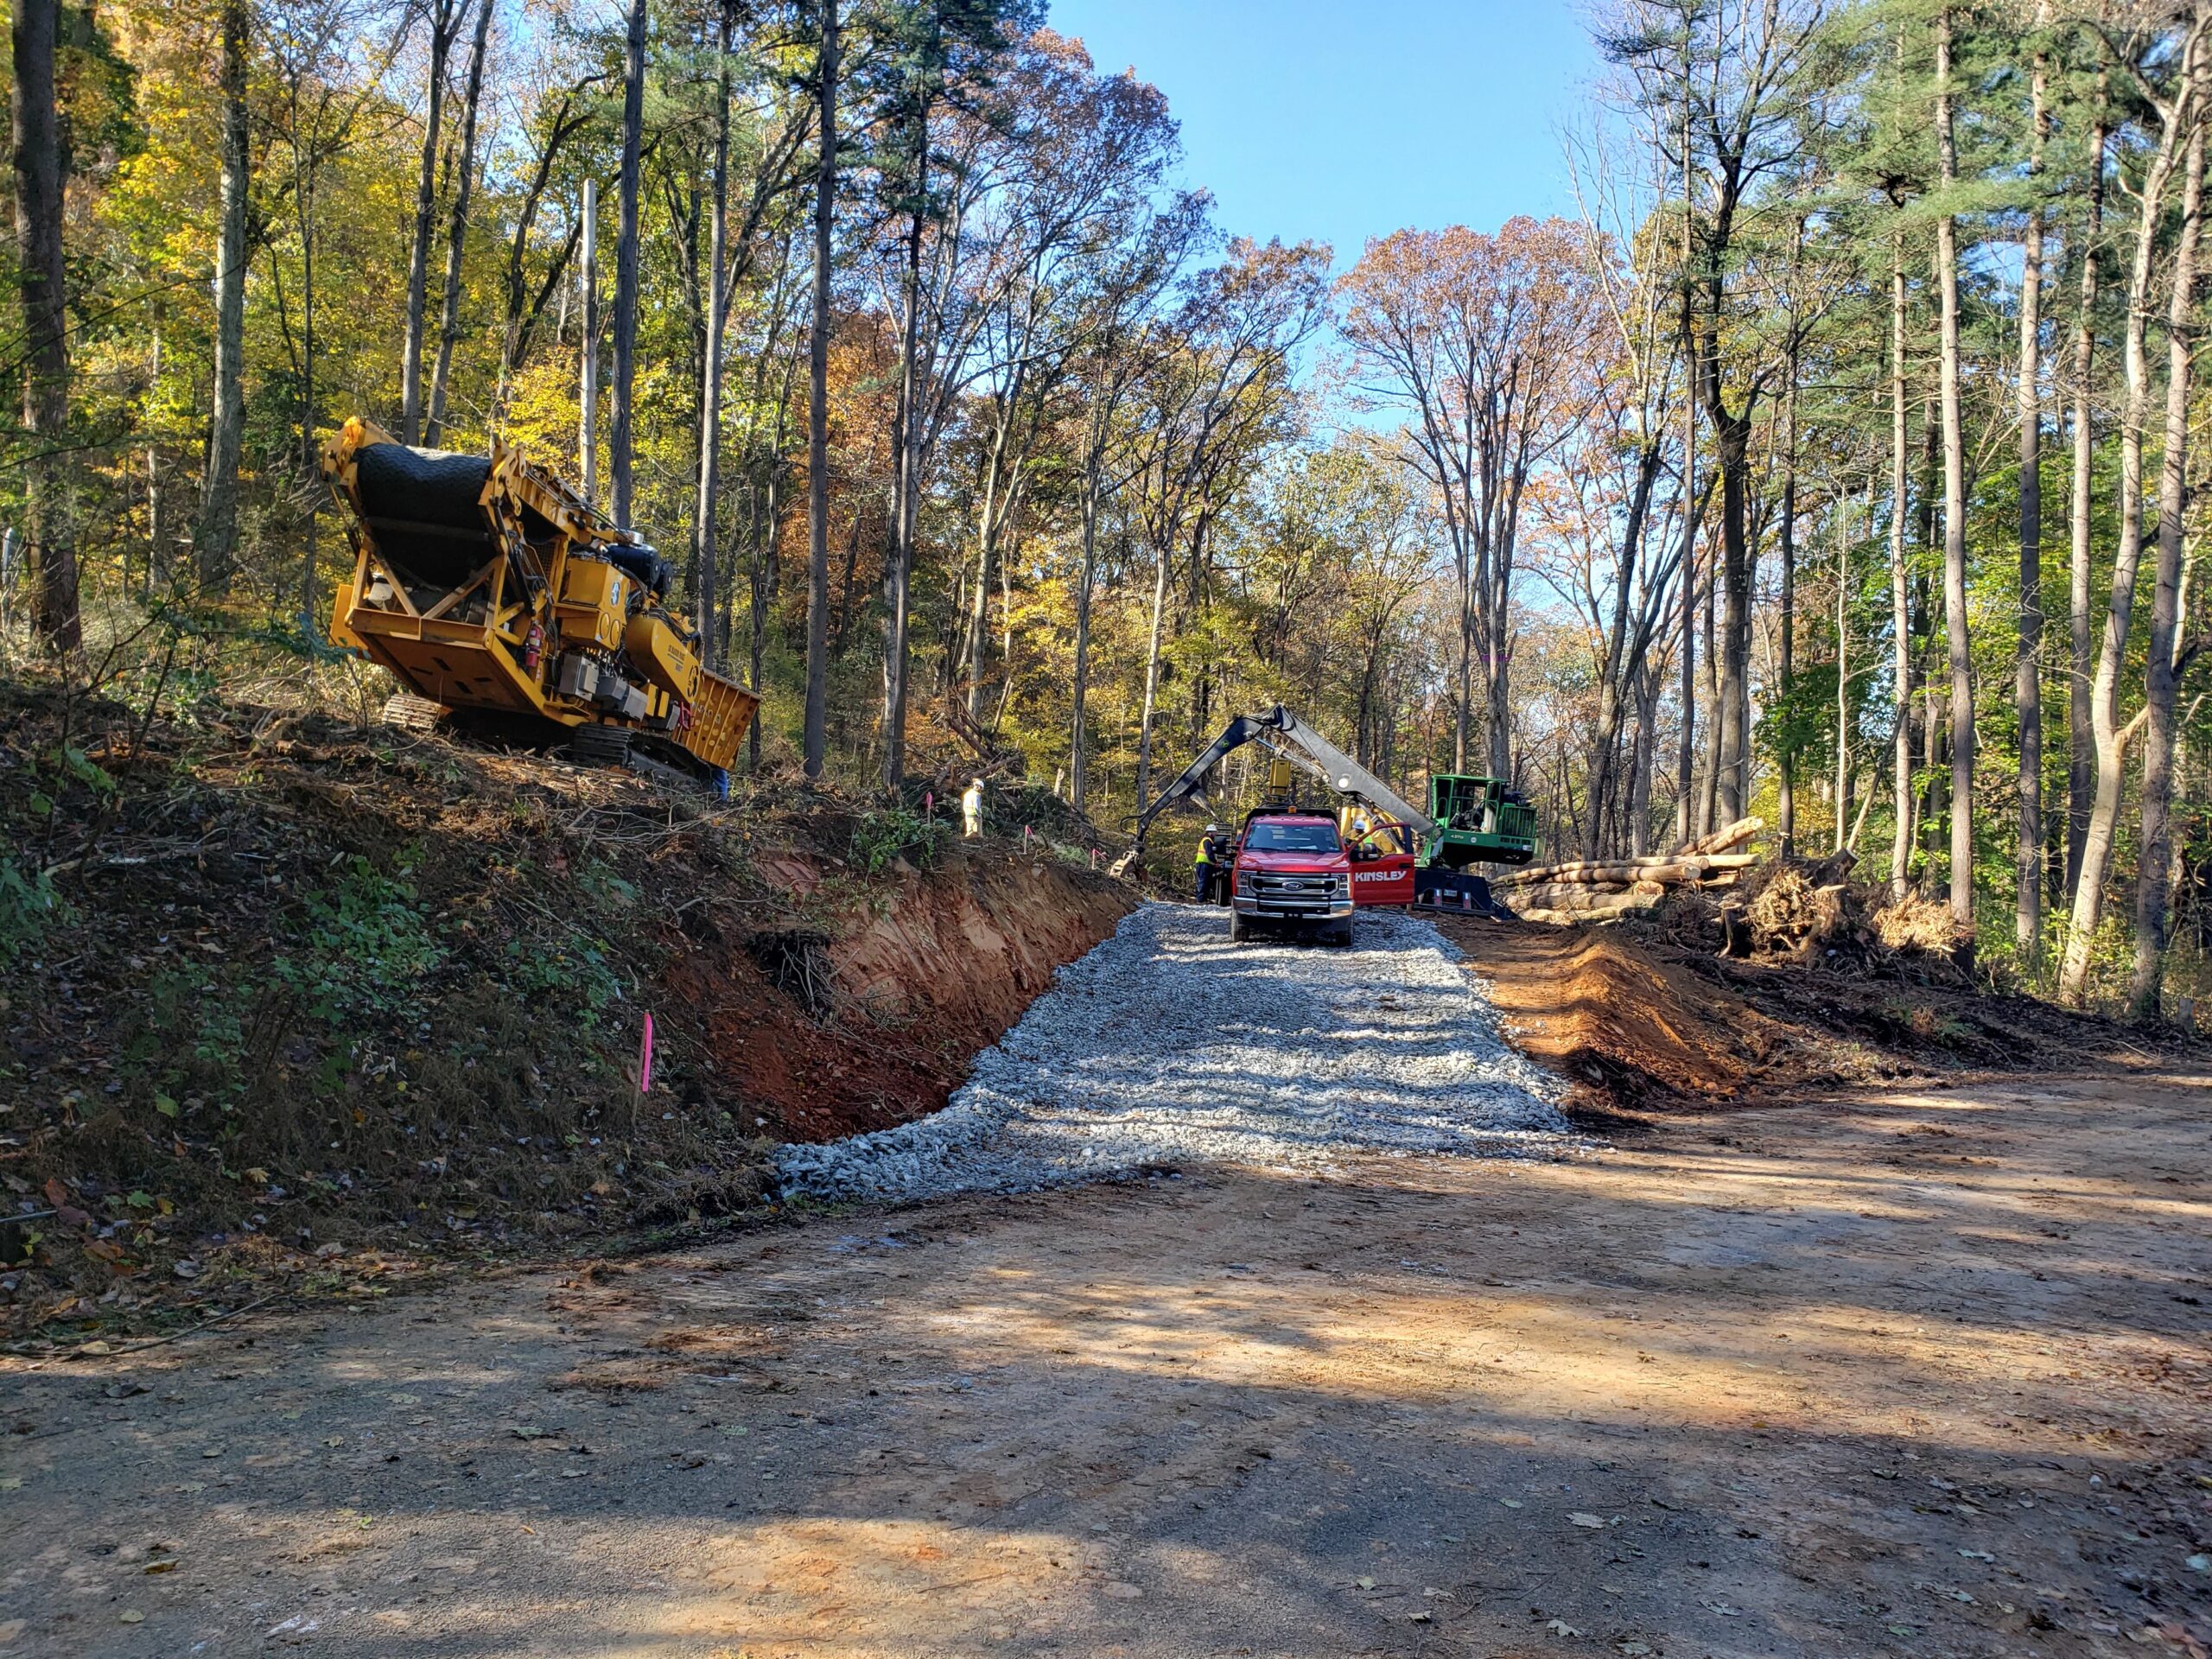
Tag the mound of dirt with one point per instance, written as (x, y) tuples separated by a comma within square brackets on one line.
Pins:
[(277, 984), (1647, 1024)]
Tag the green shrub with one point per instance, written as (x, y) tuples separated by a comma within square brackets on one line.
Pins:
[(363, 950), (30, 906), (881, 837)]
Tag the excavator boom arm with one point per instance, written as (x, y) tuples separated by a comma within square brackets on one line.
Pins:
[(1189, 784), (1347, 776), (1326, 761)]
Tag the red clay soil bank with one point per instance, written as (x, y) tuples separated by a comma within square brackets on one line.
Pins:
[(1644, 1023), (905, 992)]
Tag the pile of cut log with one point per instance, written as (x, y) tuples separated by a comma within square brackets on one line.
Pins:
[(1590, 890)]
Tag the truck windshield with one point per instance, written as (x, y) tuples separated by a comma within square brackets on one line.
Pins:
[(1293, 838)]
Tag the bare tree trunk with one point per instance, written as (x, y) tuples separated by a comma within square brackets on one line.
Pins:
[(216, 538), (1842, 676), (1691, 502), (1152, 683), (1078, 765), (2081, 750), (1613, 678), (1499, 664), (445, 23), (304, 178), (2154, 882), (1644, 759), (2104, 694), (1954, 503), (706, 539), (588, 403), (1786, 805), (989, 515), (1007, 562), (620, 437), (899, 567), (457, 227), (1708, 789), (42, 283), (2027, 668), (1464, 680), (1729, 751), (1686, 743), (1900, 587), (156, 563), (768, 519), (816, 736)]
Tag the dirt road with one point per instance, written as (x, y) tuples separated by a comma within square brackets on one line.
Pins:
[(1922, 1374)]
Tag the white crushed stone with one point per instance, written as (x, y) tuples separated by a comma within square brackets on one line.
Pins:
[(1167, 1045)]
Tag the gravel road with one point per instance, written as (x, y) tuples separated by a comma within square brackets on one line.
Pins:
[(1167, 1045)]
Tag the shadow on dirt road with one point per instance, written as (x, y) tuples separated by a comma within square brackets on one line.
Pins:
[(1919, 1374)]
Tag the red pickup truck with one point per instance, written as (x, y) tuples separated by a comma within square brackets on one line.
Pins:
[(1291, 871)]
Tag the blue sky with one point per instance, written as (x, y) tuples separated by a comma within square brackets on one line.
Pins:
[(1343, 119)]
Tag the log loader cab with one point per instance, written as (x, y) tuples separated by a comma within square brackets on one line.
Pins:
[(1480, 821)]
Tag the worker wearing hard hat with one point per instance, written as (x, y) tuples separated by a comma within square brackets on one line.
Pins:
[(971, 809), (1210, 863)]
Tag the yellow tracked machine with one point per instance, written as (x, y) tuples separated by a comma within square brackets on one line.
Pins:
[(501, 598)]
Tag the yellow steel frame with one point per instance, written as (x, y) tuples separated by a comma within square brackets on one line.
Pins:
[(441, 655)]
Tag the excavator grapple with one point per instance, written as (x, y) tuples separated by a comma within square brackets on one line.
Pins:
[(494, 592)]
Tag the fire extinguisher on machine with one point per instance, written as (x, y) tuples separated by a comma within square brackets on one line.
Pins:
[(533, 647)]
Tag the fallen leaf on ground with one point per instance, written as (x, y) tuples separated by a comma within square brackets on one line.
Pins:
[(1365, 1584), (130, 1615), (1560, 1627), (1581, 1519)]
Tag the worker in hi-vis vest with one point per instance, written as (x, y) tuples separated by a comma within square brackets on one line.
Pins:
[(971, 809), (1211, 849)]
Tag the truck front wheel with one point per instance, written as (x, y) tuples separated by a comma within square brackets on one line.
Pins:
[(1340, 935), (1239, 929)]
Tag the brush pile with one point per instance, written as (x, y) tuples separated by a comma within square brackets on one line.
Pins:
[(1590, 890), (1809, 912), (1793, 910)]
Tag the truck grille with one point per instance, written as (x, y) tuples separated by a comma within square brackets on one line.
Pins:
[(1294, 895)]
